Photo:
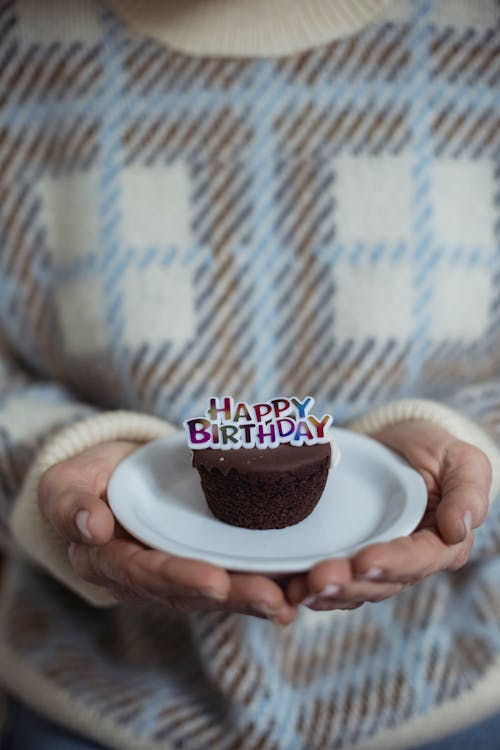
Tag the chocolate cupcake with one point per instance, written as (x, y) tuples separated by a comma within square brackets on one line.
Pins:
[(263, 488)]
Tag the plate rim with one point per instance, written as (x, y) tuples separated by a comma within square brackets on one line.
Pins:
[(406, 522)]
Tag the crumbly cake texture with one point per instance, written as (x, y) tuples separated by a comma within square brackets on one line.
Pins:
[(263, 488)]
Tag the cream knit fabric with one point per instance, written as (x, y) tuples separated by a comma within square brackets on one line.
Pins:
[(245, 28), (177, 226)]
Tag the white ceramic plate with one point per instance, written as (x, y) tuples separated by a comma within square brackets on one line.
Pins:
[(372, 495)]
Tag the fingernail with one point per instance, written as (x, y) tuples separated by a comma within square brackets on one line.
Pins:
[(467, 522), (82, 524), (332, 589), (264, 608), (372, 573), (211, 593), (329, 592)]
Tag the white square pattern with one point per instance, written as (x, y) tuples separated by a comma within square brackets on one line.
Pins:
[(82, 315), (155, 206), (463, 199), (70, 215), (60, 20), (461, 303), (159, 305), (373, 199), (385, 294), (373, 299)]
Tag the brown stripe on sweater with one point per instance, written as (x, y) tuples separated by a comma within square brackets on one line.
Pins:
[(17, 75), (450, 677), (157, 69), (214, 137), (372, 129), (372, 371), (302, 193), (467, 57), (287, 124), (324, 738), (225, 212), (61, 145), (488, 605), (385, 55), (392, 377), (138, 63), (395, 57), (469, 132), (44, 59), (232, 654), (235, 72), (421, 610), (353, 369), (299, 359), (86, 74), (224, 324), (228, 344), (481, 59), (193, 729), (335, 355), (245, 693), (446, 48), (135, 49), (74, 72), (393, 693), (176, 729)]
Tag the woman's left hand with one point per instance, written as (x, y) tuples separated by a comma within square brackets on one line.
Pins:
[(458, 480)]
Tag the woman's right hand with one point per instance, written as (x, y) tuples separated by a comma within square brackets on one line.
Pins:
[(72, 496)]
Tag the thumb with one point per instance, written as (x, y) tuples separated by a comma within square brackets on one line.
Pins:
[(465, 488), (78, 515)]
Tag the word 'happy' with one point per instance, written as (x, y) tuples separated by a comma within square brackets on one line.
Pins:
[(233, 424)]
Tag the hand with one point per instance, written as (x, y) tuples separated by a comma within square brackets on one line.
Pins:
[(458, 479), (72, 496)]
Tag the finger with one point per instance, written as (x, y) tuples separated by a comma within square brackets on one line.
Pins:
[(125, 563), (465, 486), (261, 594), (133, 573), (79, 558), (77, 515), (72, 493), (355, 592), (406, 559), (166, 574), (128, 563), (325, 578), (297, 589), (328, 605)]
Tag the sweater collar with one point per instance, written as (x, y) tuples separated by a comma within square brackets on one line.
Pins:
[(248, 28)]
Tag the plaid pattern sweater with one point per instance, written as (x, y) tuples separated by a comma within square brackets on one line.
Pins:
[(171, 227)]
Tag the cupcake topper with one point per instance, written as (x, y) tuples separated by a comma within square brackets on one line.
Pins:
[(231, 425)]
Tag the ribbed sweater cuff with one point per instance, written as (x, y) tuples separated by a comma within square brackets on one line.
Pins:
[(431, 411), (32, 532), (246, 28)]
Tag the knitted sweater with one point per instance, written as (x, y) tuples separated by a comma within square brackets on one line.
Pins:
[(173, 227)]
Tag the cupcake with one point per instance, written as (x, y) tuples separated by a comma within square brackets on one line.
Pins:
[(263, 488)]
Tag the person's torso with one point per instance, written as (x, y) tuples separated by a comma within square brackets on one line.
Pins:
[(324, 223)]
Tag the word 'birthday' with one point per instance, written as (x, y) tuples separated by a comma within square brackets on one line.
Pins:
[(237, 424)]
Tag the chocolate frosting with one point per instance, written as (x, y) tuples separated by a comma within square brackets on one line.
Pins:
[(284, 457)]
